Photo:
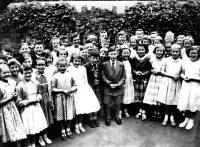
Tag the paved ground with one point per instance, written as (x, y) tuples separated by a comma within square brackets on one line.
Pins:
[(133, 133)]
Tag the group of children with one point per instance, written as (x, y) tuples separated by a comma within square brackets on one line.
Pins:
[(40, 86)]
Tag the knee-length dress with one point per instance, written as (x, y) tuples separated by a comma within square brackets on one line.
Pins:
[(45, 103), (64, 104), (86, 100), (140, 82), (189, 98), (151, 94), (169, 88), (11, 126), (128, 96), (32, 115)]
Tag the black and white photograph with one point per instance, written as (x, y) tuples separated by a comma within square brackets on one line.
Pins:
[(99, 73)]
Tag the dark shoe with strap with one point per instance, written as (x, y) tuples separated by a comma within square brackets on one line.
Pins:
[(91, 124), (96, 123), (70, 135), (107, 122), (118, 121)]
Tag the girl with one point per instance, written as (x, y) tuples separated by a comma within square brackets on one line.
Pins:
[(128, 97), (63, 86), (14, 66), (55, 43), (170, 84), (45, 103), (30, 110), (187, 43), (11, 126), (141, 69), (189, 99), (63, 53), (86, 100), (152, 90)]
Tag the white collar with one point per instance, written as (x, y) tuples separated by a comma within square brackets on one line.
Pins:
[(137, 57)]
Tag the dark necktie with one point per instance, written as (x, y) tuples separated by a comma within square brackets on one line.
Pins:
[(113, 67)]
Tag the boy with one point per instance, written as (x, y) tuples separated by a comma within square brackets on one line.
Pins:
[(93, 69), (113, 75)]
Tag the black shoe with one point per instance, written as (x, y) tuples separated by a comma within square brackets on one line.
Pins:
[(118, 121), (107, 122), (96, 123), (91, 124)]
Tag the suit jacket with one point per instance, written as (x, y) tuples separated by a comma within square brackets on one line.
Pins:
[(90, 74), (109, 78)]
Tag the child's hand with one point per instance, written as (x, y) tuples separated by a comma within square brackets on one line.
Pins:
[(23, 103), (13, 95), (52, 106), (66, 92), (112, 86), (176, 77), (139, 73)]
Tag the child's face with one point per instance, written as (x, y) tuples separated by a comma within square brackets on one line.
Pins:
[(122, 39), (141, 51), (55, 44), (49, 59), (76, 62), (62, 66), (159, 52), (28, 61), (24, 49), (175, 52), (89, 46), (146, 42), (104, 45), (112, 55), (125, 54), (103, 35), (179, 41), (14, 69), (156, 41), (76, 40), (39, 49), (40, 66), (84, 53), (133, 42), (94, 41), (7, 54), (5, 73), (193, 55), (62, 53), (65, 42), (2, 62), (187, 44), (139, 34), (94, 60), (27, 75)]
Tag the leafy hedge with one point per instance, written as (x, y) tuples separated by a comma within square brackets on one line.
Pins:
[(43, 22)]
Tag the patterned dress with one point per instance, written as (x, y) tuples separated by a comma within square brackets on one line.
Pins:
[(128, 97), (46, 100), (152, 89), (170, 88), (189, 98), (64, 104), (11, 126), (32, 115)]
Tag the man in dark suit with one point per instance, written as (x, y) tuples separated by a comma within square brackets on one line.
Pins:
[(113, 76), (93, 68)]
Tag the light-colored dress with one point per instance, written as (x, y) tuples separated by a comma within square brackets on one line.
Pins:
[(32, 115), (86, 100), (128, 86), (189, 98), (152, 89), (11, 126), (64, 104), (169, 88)]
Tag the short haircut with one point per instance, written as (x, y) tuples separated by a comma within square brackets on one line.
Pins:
[(94, 53), (195, 47), (111, 49), (158, 46), (77, 57), (61, 59), (75, 35)]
